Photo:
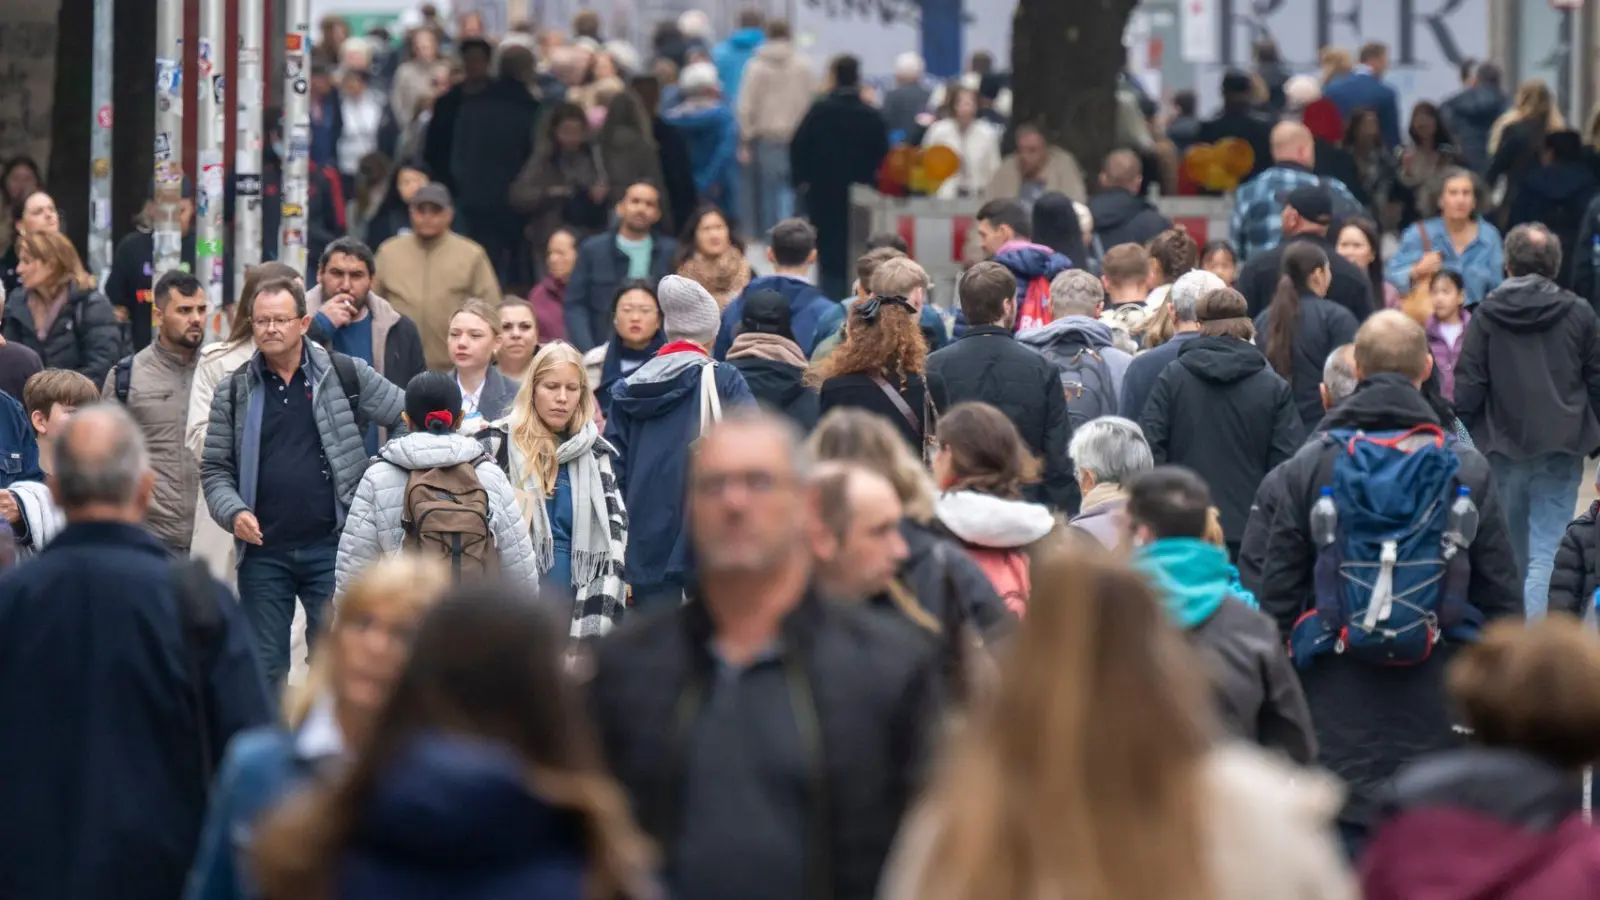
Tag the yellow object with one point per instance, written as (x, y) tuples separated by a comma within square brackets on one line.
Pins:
[(940, 162)]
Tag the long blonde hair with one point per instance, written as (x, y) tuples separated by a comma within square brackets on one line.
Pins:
[(409, 583), (529, 435), (1083, 778), (1534, 103)]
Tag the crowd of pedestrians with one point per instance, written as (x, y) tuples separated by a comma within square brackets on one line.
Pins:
[(635, 565)]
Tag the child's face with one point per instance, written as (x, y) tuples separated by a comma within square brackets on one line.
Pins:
[(1447, 300), (45, 426)]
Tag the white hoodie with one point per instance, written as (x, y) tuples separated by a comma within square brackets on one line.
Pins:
[(984, 520)]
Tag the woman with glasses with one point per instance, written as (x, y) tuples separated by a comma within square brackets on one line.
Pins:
[(376, 526), (326, 719)]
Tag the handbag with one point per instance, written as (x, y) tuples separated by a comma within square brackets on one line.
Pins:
[(1418, 302)]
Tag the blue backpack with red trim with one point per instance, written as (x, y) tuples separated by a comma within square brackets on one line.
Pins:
[(1392, 571)]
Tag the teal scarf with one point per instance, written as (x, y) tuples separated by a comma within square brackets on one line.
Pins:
[(1192, 577)]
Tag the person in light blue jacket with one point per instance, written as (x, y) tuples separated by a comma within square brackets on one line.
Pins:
[(326, 719), (711, 130), (1458, 239), (733, 54)]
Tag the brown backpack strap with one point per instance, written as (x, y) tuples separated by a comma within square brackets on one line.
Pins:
[(899, 402)]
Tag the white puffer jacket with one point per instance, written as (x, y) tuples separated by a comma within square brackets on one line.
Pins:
[(373, 529)]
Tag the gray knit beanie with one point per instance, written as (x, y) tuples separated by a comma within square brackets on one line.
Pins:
[(688, 312)]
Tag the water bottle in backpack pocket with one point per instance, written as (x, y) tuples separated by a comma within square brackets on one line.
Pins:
[(1391, 531)]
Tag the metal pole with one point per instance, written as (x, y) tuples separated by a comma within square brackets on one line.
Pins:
[(100, 145), (297, 132), (210, 125), (247, 178), (167, 226)]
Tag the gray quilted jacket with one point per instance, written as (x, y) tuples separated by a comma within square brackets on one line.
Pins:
[(373, 529), (228, 467)]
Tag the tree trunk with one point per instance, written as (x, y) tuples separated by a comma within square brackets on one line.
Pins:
[(1065, 58)]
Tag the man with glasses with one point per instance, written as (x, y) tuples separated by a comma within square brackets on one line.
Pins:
[(769, 739), (282, 460)]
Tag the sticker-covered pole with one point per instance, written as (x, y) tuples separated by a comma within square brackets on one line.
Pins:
[(297, 132), (247, 162), (210, 127), (100, 144), (167, 227)]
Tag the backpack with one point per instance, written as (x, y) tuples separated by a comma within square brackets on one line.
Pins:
[(123, 381), (446, 514), (1087, 381), (1009, 571), (1034, 312), (1391, 568)]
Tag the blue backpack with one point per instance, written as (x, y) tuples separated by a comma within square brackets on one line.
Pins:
[(1391, 572)]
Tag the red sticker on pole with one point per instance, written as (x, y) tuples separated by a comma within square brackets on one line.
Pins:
[(291, 42), (103, 117)]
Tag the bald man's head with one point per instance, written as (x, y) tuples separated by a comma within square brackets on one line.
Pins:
[(1123, 169), (1292, 142), (1392, 342), (102, 469)]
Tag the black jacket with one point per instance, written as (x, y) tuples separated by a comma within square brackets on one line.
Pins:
[(859, 391), (1528, 378), (1470, 116), (1584, 256), (485, 137), (781, 388), (1222, 412), (988, 365), (1370, 720), (677, 171), (1351, 288), (1122, 218), (601, 268), (1258, 696), (871, 680), (841, 141), (85, 337), (133, 277), (1517, 156), (1334, 161), (1576, 575), (1325, 326), (1247, 125)]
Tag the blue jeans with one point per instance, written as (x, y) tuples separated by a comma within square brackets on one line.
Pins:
[(1538, 496), (767, 181), (269, 582), (657, 596)]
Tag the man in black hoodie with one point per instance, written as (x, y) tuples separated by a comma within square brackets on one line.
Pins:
[(1471, 114), (1528, 387), (1370, 719), (1121, 216), (771, 362)]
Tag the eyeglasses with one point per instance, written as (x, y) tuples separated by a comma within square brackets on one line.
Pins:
[(365, 624), (272, 324)]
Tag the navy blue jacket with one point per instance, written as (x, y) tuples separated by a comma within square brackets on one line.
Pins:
[(807, 306), (1364, 90), (19, 447), (601, 268), (99, 707), (261, 767), (654, 417), (455, 817)]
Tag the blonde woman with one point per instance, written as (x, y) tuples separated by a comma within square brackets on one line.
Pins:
[(474, 341), (1094, 773), (1516, 143), (326, 719), (560, 467)]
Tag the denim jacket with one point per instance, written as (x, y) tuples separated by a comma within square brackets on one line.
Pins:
[(1482, 264)]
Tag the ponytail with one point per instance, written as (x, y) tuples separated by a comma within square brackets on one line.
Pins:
[(1300, 261), (433, 402), (1283, 320)]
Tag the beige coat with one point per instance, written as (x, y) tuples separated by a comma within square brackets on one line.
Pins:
[(428, 281), (778, 87), (1270, 834), (158, 399), (217, 361), (1061, 173)]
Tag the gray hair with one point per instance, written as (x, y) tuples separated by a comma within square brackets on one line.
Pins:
[(1339, 373), (1187, 291), (1532, 250), (1075, 293), (909, 66), (95, 472), (1112, 448)]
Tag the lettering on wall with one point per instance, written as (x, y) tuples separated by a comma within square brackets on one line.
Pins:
[(27, 78)]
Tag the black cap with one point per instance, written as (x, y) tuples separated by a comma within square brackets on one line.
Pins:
[(766, 312), (434, 193), (1312, 202)]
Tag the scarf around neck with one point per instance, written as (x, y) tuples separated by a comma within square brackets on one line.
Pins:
[(592, 547), (771, 347)]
